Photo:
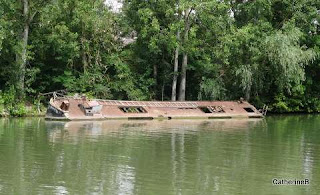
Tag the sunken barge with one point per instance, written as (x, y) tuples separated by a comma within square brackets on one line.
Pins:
[(81, 108)]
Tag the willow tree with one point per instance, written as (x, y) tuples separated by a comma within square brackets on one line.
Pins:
[(287, 57)]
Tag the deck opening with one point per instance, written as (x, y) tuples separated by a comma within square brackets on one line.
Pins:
[(205, 109), (65, 105), (212, 109), (248, 109), (130, 109)]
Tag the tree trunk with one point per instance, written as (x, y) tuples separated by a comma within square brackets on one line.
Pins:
[(155, 72), (182, 89), (247, 94), (21, 58), (84, 60), (175, 71), (155, 76)]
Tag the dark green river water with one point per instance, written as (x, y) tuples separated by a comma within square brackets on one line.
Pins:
[(160, 157)]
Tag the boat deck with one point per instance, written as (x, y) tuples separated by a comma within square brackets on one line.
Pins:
[(114, 109)]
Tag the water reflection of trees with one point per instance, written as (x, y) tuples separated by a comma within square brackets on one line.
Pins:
[(164, 157)]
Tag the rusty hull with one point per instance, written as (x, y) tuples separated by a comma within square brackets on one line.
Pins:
[(68, 108)]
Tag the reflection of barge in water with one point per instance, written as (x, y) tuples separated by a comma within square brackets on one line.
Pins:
[(76, 130), (71, 108)]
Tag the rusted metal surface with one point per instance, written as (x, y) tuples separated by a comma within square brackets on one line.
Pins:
[(114, 109)]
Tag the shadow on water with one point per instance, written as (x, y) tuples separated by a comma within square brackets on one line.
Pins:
[(159, 157)]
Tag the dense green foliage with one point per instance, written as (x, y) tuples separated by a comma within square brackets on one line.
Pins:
[(266, 51)]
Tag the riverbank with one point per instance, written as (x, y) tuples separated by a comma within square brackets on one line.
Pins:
[(22, 111), (10, 106)]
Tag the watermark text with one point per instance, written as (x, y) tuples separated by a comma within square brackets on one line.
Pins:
[(277, 181)]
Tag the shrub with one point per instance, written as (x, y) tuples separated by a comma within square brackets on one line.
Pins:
[(18, 110)]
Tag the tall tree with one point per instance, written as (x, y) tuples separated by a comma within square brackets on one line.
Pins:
[(178, 15), (29, 10), (175, 69), (155, 24), (187, 26)]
